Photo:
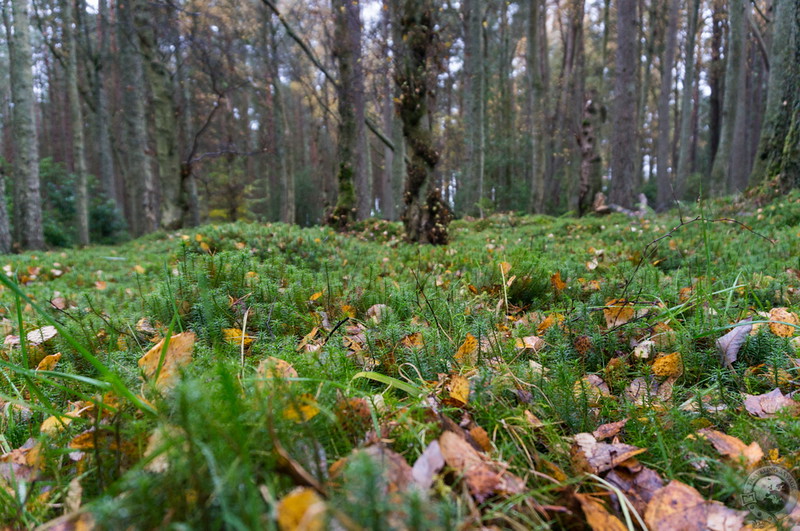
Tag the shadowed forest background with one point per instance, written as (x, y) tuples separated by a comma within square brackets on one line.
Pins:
[(123, 118)]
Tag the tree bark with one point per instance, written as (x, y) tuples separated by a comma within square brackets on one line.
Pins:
[(28, 230), (105, 155), (666, 170), (140, 181), (536, 91), (624, 131), (285, 177), (472, 186), (76, 121), (716, 74), (782, 96), (353, 202), (685, 134), (425, 217)]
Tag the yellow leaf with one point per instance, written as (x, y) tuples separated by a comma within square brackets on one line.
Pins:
[(558, 284), (178, 354), (198, 237), (315, 296), (618, 312), (139, 269), (49, 362), (204, 246), (305, 408), (668, 366), (467, 350), (301, 510), (348, 310), (413, 340), (784, 316), (234, 336), (240, 245), (505, 267), (53, 425), (275, 368), (459, 388), (552, 319)]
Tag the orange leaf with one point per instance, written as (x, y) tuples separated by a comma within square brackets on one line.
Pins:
[(49, 362), (459, 388), (668, 366), (234, 336), (178, 354), (558, 284), (301, 510), (468, 350), (618, 312)]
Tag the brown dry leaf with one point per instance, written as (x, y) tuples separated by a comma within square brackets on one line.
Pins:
[(394, 468), (377, 312), (650, 394), (730, 344), (532, 343), (593, 388), (480, 436), (612, 429), (301, 510), (468, 350), (679, 506), (483, 477), (769, 404), (533, 420), (49, 362), (23, 463), (668, 366), (505, 267), (731, 447), (618, 312), (178, 354), (306, 341), (427, 465), (303, 409), (413, 340), (274, 368), (459, 388), (79, 520), (558, 284), (638, 482), (597, 516), (589, 455), (234, 336), (349, 311), (784, 316), (101, 285)]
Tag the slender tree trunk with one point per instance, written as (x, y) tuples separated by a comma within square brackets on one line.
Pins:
[(76, 121), (425, 216), (387, 196), (191, 200), (353, 201), (716, 75), (783, 90), (141, 188), (105, 155), (666, 170), (472, 187), (685, 135), (721, 175), (535, 104), (27, 199), (285, 177), (624, 132)]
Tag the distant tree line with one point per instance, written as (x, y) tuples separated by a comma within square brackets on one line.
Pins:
[(120, 118)]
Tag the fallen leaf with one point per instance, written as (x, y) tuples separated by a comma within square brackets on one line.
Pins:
[(644, 349), (459, 388), (480, 436), (533, 420), (597, 516), (592, 388), (730, 344), (468, 351), (413, 340), (558, 284), (273, 368), (551, 320), (302, 409), (377, 312), (483, 478), (607, 431), (505, 267), (138, 269), (101, 285), (618, 312), (301, 510), (679, 506), (234, 336), (427, 465), (49, 362), (769, 404), (589, 455), (306, 341), (177, 355), (668, 366), (781, 329), (41, 335), (532, 343), (315, 296), (731, 447), (638, 482)]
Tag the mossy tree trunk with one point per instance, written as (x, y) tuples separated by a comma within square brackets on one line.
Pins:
[(425, 215), (780, 133), (354, 197)]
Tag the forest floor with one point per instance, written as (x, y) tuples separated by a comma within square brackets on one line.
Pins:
[(536, 372)]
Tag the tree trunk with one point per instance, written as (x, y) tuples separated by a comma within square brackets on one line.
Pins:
[(721, 175), (536, 118), (666, 170), (28, 228), (76, 121), (386, 198), (140, 181), (591, 162), (353, 201), (685, 135), (716, 74), (624, 133), (472, 186), (108, 179), (425, 216), (782, 96), (285, 177)]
